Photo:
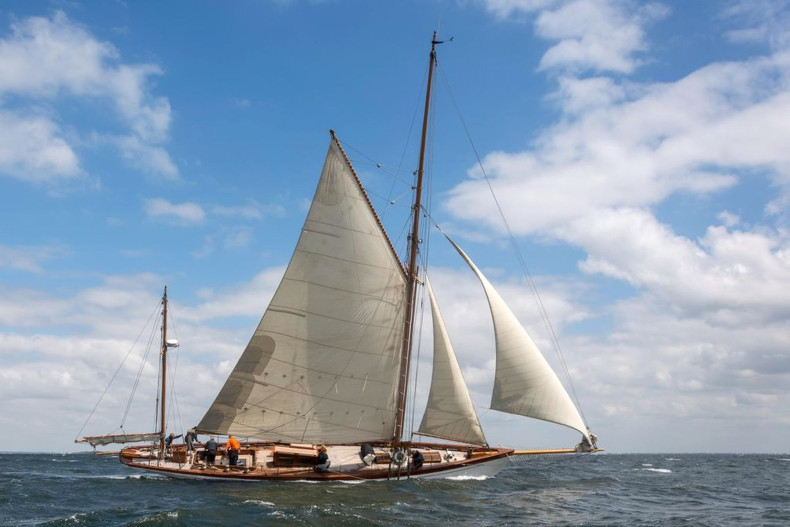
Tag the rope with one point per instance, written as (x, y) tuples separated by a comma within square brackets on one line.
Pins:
[(541, 308), (174, 369), (140, 372), (115, 374)]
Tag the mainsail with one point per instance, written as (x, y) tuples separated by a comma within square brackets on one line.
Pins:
[(323, 363), (524, 383), (449, 413)]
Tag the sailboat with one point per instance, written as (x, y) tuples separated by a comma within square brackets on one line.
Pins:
[(320, 391)]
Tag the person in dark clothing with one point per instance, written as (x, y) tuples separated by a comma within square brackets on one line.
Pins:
[(169, 442), (366, 454), (169, 439), (190, 439), (322, 461), (417, 460), (211, 450)]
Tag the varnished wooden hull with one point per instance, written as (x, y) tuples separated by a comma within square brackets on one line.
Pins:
[(453, 462)]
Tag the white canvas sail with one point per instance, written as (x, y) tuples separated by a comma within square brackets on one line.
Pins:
[(449, 413), (524, 383), (109, 439), (323, 363)]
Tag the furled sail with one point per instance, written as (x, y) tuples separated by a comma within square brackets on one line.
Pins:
[(449, 413), (524, 383), (323, 363), (119, 439)]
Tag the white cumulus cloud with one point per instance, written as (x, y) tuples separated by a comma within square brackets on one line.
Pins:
[(45, 60)]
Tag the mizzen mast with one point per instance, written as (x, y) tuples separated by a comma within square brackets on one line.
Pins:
[(164, 376), (411, 270)]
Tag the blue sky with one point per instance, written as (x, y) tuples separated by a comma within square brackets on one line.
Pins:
[(639, 150)]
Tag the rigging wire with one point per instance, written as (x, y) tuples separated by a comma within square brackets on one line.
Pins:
[(174, 369), (140, 371), (541, 308), (423, 256), (112, 379)]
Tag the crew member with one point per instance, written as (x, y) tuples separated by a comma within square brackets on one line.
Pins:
[(211, 450), (232, 447), (322, 461)]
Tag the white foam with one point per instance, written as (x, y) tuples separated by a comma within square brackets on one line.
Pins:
[(661, 470), (467, 478), (260, 503)]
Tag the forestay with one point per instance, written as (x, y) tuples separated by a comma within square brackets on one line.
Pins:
[(524, 383), (449, 413), (323, 363)]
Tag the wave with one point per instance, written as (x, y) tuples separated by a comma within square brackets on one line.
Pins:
[(260, 503), (661, 470)]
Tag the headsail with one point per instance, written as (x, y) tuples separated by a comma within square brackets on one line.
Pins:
[(449, 413), (322, 365), (524, 384)]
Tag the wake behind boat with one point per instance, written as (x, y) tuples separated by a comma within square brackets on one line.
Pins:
[(320, 392)]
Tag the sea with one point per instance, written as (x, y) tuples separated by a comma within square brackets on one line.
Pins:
[(598, 489)]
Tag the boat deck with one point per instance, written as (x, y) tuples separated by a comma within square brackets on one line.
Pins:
[(297, 462)]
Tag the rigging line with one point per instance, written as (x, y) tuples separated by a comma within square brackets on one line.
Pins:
[(541, 308), (425, 250), (414, 117), (116, 372), (158, 394), (384, 168), (139, 375), (174, 369)]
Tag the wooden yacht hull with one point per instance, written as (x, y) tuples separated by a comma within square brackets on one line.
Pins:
[(263, 464)]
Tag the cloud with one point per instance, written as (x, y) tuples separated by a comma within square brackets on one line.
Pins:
[(641, 144), (601, 35), (699, 330), (724, 270), (32, 149), (26, 258), (184, 214), (44, 60), (761, 21), (56, 375), (252, 210), (509, 8)]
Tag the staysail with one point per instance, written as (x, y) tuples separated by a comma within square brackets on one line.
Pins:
[(524, 383), (449, 413), (323, 363)]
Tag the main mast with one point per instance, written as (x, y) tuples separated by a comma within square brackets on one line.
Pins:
[(411, 286)]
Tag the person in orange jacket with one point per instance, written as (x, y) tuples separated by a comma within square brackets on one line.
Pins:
[(232, 447)]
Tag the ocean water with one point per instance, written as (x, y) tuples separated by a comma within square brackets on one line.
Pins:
[(600, 489)]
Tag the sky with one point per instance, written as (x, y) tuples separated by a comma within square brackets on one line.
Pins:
[(639, 153)]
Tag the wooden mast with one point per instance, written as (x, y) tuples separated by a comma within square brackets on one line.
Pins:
[(164, 376), (411, 270)]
